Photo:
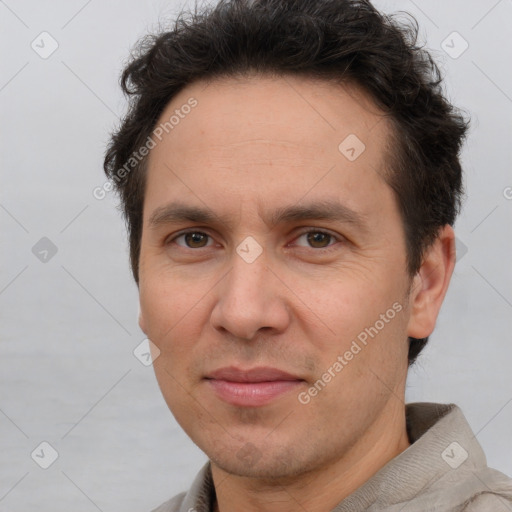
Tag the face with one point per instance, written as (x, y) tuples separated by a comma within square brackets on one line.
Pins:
[(273, 273)]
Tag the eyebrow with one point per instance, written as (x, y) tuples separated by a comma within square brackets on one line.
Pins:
[(177, 212)]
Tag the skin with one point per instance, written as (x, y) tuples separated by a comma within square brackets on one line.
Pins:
[(251, 146)]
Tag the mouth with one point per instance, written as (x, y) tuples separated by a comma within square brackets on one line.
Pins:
[(253, 387)]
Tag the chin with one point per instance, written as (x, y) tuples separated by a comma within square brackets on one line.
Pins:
[(251, 462)]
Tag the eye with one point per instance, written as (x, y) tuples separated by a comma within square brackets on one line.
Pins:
[(192, 240), (317, 239), (314, 238)]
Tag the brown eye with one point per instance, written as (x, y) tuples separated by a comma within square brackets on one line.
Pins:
[(318, 239), (192, 240), (195, 240)]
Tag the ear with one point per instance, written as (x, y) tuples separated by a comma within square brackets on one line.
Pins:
[(430, 284)]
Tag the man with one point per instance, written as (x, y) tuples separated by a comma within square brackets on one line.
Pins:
[(289, 173)]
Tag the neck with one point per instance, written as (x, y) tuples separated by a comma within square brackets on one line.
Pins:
[(319, 490)]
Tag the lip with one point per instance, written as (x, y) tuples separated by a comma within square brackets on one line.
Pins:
[(259, 374), (253, 387)]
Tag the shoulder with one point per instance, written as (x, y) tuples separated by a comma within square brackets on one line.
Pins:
[(489, 502), (173, 505), (494, 492)]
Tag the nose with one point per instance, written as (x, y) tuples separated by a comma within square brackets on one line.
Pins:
[(251, 298)]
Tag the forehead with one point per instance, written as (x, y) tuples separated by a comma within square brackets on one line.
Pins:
[(271, 138), (288, 109)]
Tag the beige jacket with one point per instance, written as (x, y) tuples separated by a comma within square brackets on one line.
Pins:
[(444, 469)]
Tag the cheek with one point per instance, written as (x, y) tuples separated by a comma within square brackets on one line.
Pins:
[(366, 328), (167, 308), (171, 319), (348, 306), (362, 364)]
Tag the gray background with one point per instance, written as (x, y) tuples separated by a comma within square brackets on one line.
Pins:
[(69, 324)]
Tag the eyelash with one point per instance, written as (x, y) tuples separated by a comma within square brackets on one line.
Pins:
[(324, 249)]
